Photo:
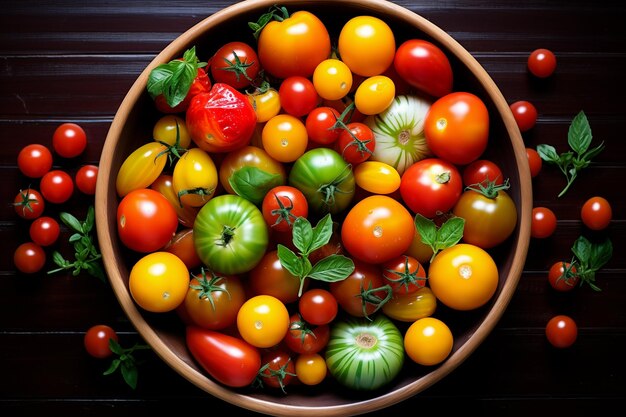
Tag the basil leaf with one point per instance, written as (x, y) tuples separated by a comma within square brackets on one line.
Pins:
[(450, 232), (582, 250), (600, 254), (253, 183), (71, 221), (426, 229), (322, 233), (290, 261), (302, 235), (548, 153), (157, 79), (130, 374), (579, 134), (332, 268)]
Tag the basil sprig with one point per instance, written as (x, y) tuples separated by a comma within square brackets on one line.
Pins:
[(439, 238)]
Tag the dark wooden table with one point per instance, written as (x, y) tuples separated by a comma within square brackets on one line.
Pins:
[(74, 61)]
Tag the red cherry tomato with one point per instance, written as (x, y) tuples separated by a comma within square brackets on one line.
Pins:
[(29, 204), (357, 143), (44, 231), (282, 205), (482, 170), (525, 115), (561, 331), (57, 186), (86, 178), (534, 162), (96, 340), (29, 258), (543, 223), (562, 276), (542, 63), (596, 213), (34, 160), (235, 63), (298, 95), (69, 140), (319, 125), (318, 306)]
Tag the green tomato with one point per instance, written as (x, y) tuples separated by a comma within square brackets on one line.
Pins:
[(325, 178), (363, 354), (230, 234)]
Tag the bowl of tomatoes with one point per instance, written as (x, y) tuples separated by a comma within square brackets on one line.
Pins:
[(314, 207)]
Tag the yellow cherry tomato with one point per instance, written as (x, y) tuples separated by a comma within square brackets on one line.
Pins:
[(263, 321), (284, 138), (374, 95), (377, 177), (367, 45), (158, 282), (266, 104), (463, 276), (165, 131), (411, 306), (311, 368), (195, 178), (428, 341), (332, 79), (141, 167)]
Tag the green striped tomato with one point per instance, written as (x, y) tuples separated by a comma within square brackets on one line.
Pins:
[(363, 354)]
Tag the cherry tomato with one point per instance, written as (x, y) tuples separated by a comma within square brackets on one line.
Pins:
[(596, 213), (34, 160), (332, 79), (424, 66), (263, 321), (282, 205), (525, 115), (29, 204), (356, 143), (377, 177), (374, 94), (562, 276), (284, 138), (457, 127), (320, 125), (269, 277), (318, 306), (86, 179), (405, 274), (44, 231), (367, 45), (305, 338), (168, 128), (57, 186), (278, 370), (298, 96), (96, 340), (482, 170), (235, 63), (266, 103), (195, 178), (542, 62), (543, 223), (428, 341), (311, 368), (561, 331), (409, 307), (186, 214), (29, 258), (69, 140), (534, 162), (182, 246)]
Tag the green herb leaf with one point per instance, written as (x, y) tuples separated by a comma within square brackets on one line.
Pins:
[(290, 261), (579, 134), (253, 183), (449, 234), (332, 268), (130, 374), (547, 153), (71, 222), (322, 233), (589, 257), (302, 235), (426, 229)]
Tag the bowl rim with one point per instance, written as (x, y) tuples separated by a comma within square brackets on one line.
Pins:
[(105, 196)]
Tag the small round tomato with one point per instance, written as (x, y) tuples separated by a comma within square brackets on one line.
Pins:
[(428, 341), (377, 229), (284, 137), (69, 140), (57, 186), (164, 185), (182, 246), (96, 340), (298, 96), (367, 45), (482, 170), (263, 321), (424, 66), (596, 213), (525, 115), (44, 231), (561, 331), (158, 282), (318, 306), (29, 258), (269, 277), (169, 128), (304, 338), (356, 143), (543, 223), (405, 274), (332, 79), (146, 221), (320, 125), (195, 178), (235, 63), (311, 368), (463, 276), (377, 177), (249, 156), (29, 204), (86, 178), (457, 127), (562, 276), (278, 370), (34, 160), (541, 62), (266, 103), (282, 205), (534, 162), (374, 94)]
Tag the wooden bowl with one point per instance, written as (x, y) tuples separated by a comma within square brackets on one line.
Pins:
[(132, 126)]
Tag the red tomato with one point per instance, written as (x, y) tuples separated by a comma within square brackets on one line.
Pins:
[(561, 331), (182, 246), (431, 187), (424, 66), (200, 84), (235, 63), (86, 178), (44, 231), (319, 125), (69, 140), (29, 258), (277, 369), (212, 301), (405, 274), (304, 338), (282, 205), (562, 276), (57, 186), (298, 95), (534, 162), (356, 143), (543, 223), (482, 170), (34, 160), (318, 306), (457, 127), (596, 213), (269, 277), (525, 115), (146, 221), (230, 360), (220, 120), (96, 340), (29, 204), (542, 63)]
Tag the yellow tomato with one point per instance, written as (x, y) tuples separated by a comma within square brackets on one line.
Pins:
[(284, 138), (311, 368), (428, 341), (411, 306), (377, 177), (165, 131), (463, 276), (266, 104), (367, 45), (195, 178), (332, 79), (263, 321), (141, 167), (158, 282), (374, 95)]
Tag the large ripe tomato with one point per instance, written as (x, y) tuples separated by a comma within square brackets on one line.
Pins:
[(251, 157), (235, 63), (305, 338), (561, 331), (34, 160), (263, 321), (194, 178), (463, 276), (428, 341), (424, 66), (230, 234), (367, 45), (269, 277), (363, 292), (457, 127), (431, 187), (220, 120), (146, 221), (293, 45)]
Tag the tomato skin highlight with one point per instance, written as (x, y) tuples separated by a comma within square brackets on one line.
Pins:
[(596, 213), (96, 340), (69, 140), (29, 258), (543, 223), (541, 63), (561, 331), (34, 160)]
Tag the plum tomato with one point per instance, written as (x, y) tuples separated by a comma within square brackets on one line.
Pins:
[(561, 331), (34, 160), (525, 115), (596, 213), (69, 140), (543, 223), (96, 340), (374, 95), (424, 66), (541, 62)]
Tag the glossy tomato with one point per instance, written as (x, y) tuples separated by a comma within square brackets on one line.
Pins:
[(525, 115), (543, 222), (278, 370), (29, 258), (29, 204), (34, 160), (356, 143), (367, 45), (171, 128), (404, 273), (284, 137), (263, 321), (377, 177), (44, 231), (194, 178), (318, 306), (96, 340), (561, 331), (235, 164), (182, 246), (141, 168), (266, 103), (269, 277), (303, 337), (186, 214), (534, 162), (332, 79), (412, 306), (298, 95), (57, 186), (374, 94), (480, 171), (235, 63), (282, 205), (311, 368), (86, 178), (69, 140), (428, 341), (424, 66), (596, 213), (541, 62), (563, 276), (320, 125), (457, 127)]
